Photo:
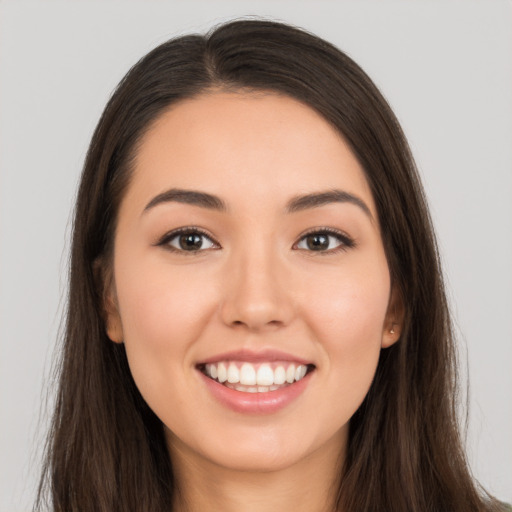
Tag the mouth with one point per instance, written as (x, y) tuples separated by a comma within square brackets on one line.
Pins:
[(250, 377)]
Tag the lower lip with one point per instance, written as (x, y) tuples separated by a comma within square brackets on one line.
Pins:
[(256, 403)]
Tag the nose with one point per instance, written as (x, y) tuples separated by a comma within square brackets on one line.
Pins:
[(257, 294)]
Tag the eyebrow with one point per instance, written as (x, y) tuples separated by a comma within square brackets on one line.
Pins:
[(192, 197), (296, 204), (300, 203)]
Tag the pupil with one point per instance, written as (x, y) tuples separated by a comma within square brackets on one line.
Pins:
[(318, 242), (191, 241)]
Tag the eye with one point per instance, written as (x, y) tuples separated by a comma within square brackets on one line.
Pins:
[(188, 240), (325, 240)]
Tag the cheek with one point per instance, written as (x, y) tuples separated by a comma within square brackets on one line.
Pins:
[(162, 314), (159, 305), (350, 329), (349, 306), (347, 319)]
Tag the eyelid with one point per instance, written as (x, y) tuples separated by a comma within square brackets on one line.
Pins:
[(165, 239), (347, 242)]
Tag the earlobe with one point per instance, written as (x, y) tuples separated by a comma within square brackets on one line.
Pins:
[(391, 334), (113, 324), (110, 309), (394, 321)]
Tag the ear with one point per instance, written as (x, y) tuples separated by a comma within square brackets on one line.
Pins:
[(394, 321), (113, 323), (110, 309)]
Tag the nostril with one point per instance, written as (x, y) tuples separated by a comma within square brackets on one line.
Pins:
[(256, 325)]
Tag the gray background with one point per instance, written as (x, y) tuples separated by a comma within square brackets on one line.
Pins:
[(445, 68)]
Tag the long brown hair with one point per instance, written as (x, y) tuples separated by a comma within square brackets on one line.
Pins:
[(106, 449)]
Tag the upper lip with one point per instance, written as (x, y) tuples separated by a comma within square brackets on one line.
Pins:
[(252, 356)]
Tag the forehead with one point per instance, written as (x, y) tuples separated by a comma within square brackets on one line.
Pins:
[(260, 147)]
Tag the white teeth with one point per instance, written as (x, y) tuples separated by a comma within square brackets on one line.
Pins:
[(222, 374), (265, 375), (240, 387), (300, 372), (251, 378), (247, 375), (279, 375), (233, 374), (290, 374)]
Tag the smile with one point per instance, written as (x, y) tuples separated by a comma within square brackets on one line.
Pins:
[(256, 378)]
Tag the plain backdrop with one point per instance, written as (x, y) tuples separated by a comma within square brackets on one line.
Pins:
[(445, 67)]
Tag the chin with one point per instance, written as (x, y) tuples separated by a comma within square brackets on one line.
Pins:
[(256, 459), (258, 449)]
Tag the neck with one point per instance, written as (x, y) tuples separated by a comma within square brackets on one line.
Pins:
[(309, 485)]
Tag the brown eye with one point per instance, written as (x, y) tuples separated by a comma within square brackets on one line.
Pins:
[(318, 242), (189, 241), (325, 241)]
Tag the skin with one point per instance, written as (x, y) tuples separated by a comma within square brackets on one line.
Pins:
[(255, 286)]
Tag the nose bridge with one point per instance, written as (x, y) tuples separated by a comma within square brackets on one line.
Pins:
[(256, 291)]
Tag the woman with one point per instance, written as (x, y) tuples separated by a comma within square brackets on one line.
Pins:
[(257, 317)]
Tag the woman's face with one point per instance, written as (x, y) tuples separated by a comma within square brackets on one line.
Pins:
[(248, 251)]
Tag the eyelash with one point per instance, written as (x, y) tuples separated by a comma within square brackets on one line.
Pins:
[(189, 230), (346, 242)]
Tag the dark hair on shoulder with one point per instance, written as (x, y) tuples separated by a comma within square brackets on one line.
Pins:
[(106, 449)]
